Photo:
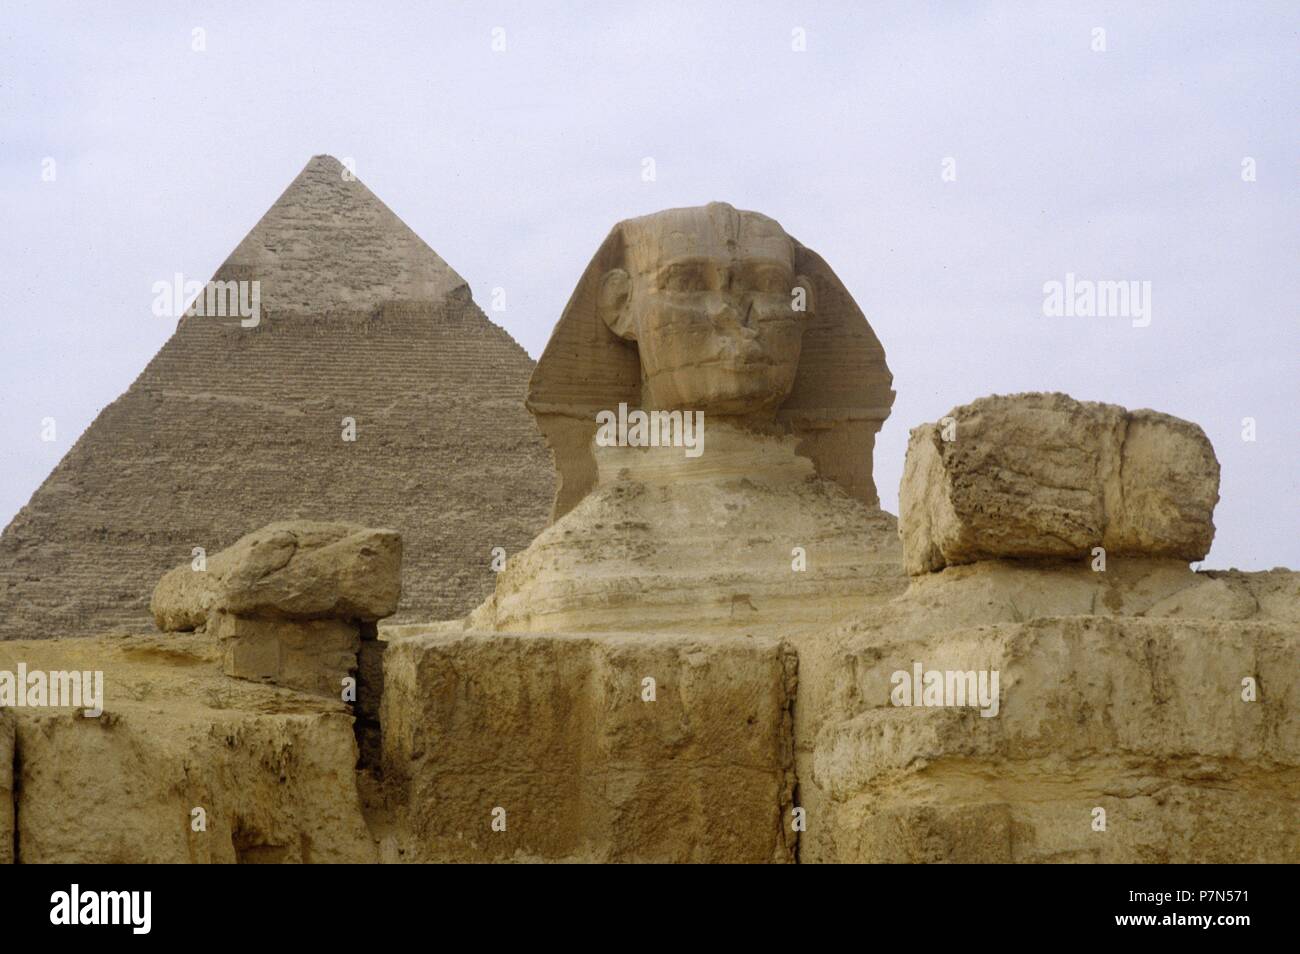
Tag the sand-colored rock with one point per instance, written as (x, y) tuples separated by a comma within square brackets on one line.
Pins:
[(662, 543), (945, 815), (555, 730), (744, 538), (314, 655), (1044, 475), (716, 310), (292, 569), (1143, 718), (273, 770), (6, 788), (288, 602)]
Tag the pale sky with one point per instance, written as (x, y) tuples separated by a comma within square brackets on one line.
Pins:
[(1122, 164)]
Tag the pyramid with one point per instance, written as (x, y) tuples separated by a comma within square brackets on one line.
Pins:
[(230, 427)]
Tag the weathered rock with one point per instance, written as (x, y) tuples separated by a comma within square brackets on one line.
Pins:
[(1143, 718), (288, 603), (628, 693), (292, 569), (555, 731), (312, 655), (6, 788), (744, 537), (1044, 475), (273, 771)]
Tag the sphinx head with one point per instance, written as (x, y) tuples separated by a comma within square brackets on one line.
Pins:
[(713, 301), (716, 310)]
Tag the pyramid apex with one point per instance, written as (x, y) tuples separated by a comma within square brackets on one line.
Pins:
[(324, 161), (329, 244)]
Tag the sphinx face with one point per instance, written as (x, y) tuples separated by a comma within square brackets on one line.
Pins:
[(710, 295)]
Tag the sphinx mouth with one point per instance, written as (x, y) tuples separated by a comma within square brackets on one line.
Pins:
[(745, 360), (752, 355)]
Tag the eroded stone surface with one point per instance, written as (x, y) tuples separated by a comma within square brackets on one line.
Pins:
[(743, 538), (288, 603), (1143, 718), (556, 731), (272, 770), (6, 788), (1044, 475), (312, 655), (292, 569)]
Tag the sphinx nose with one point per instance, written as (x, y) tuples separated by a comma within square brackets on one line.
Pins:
[(727, 316)]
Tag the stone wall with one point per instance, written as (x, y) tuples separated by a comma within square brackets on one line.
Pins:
[(555, 747)]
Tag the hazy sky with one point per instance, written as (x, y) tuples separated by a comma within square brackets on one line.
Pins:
[(1122, 164)]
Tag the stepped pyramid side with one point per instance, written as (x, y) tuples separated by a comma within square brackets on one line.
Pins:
[(229, 428)]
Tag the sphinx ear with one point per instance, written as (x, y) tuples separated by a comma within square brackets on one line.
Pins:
[(612, 303), (803, 296)]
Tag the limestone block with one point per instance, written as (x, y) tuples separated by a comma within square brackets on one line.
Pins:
[(295, 569), (1044, 475), (1143, 718), (312, 655), (555, 732)]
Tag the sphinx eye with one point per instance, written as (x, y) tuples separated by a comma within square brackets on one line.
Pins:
[(770, 281), (682, 278)]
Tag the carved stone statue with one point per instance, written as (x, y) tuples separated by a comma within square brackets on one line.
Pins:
[(718, 310), (711, 298)]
